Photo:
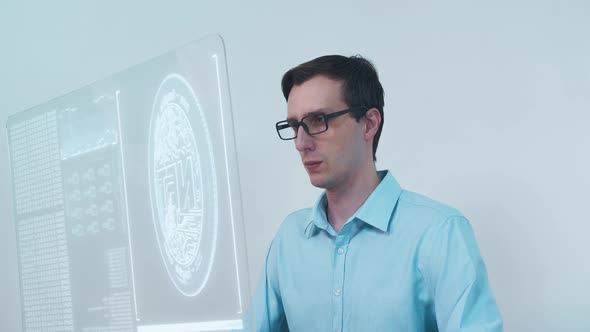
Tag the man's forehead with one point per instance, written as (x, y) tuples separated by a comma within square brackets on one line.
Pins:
[(318, 94)]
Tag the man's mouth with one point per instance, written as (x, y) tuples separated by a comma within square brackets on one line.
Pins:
[(312, 165)]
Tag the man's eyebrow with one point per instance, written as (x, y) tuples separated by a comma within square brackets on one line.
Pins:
[(316, 112)]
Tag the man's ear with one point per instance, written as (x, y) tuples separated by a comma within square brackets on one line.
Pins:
[(372, 122)]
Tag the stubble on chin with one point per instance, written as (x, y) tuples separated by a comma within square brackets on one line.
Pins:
[(321, 182)]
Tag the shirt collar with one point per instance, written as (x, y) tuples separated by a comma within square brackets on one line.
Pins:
[(318, 219), (376, 211)]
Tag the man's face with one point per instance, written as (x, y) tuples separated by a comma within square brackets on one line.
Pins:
[(332, 158)]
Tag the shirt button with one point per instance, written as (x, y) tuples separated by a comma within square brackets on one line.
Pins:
[(337, 292), (340, 251)]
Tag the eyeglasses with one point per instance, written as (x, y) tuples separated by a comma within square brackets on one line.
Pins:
[(313, 124)]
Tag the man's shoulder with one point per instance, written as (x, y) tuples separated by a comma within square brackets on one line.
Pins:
[(296, 221), (425, 207), (301, 214)]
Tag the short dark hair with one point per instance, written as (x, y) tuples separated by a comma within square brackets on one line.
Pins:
[(360, 82)]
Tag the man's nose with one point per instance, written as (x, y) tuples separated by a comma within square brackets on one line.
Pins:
[(303, 141)]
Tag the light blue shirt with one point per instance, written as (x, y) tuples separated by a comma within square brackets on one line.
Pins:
[(402, 262)]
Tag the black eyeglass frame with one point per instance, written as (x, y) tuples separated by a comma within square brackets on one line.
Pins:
[(290, 123)]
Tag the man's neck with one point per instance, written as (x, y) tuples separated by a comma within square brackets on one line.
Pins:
[(345, 200)]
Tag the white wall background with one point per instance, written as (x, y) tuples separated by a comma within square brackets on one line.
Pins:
[(487, 109)]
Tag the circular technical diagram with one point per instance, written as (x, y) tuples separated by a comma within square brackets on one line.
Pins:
[(183, 185)]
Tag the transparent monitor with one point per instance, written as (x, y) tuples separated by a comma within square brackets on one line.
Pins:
[(127, 203)]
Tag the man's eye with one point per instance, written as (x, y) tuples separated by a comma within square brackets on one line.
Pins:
[(316, 121)]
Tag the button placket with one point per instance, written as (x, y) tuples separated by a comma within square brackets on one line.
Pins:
[(338, 290)]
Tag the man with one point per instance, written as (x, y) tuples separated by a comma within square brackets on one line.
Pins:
[(368, 256)]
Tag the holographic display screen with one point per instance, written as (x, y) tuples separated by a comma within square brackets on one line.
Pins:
[(126, 201)]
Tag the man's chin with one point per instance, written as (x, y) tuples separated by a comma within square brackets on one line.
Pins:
[(318, 185), (317, 181)]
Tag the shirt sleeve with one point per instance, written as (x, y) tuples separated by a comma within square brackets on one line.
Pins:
[(457, 280), (266, 312)]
